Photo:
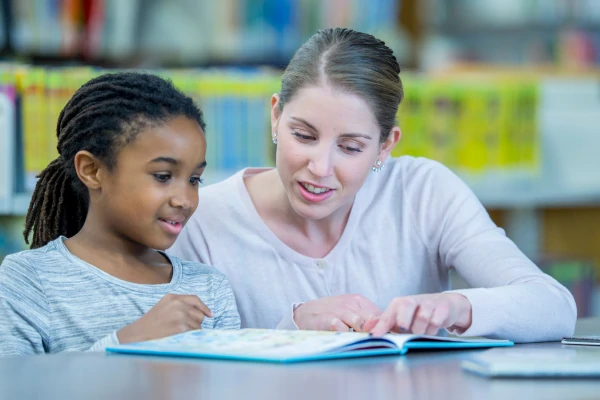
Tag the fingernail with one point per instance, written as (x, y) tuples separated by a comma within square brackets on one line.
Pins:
[(375, 330)]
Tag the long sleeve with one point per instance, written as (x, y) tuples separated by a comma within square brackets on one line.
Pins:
[(226, 312), (511, 297), (287, 321), (106, 341), (24, 311), (431, 222)]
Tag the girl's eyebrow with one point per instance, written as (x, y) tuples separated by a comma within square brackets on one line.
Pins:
[(348, 135), (173, 161)]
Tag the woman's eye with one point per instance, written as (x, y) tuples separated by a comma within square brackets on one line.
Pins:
[(351, 149), (196, 180), (302, 137), (162, 177)]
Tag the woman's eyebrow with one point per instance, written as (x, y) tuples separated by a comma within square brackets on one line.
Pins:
[(347, 135)]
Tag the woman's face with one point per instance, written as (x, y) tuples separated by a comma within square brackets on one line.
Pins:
[(328, 141)]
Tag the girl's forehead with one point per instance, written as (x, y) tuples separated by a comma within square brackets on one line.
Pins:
[(181, 136)]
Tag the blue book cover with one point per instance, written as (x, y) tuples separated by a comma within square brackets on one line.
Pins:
[(283, 346)]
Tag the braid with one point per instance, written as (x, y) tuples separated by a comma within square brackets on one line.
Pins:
[(41, 202), (104, 115)]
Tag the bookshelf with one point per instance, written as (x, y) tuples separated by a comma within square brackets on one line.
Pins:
[(518, 32), (7, 148), (559, 172), (182, 32)]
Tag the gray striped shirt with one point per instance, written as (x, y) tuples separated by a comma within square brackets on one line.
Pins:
[(52, 301)]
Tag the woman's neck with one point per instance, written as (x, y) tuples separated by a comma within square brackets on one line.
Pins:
[(313, 238)]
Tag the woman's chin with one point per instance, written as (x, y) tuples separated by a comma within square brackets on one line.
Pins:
[(312, 211)]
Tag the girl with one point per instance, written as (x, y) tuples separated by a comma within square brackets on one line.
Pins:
[(341, 236), (132, 151)]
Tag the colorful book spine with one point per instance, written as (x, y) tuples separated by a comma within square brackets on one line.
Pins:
[(473, 124), (469, 124)]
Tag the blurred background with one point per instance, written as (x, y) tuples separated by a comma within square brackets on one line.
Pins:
[(506, 93)]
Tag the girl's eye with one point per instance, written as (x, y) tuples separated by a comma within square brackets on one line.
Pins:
[(162, 177), (303, 137), (196, 180)]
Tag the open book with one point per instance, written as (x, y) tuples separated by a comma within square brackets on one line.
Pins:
[(292, 346)]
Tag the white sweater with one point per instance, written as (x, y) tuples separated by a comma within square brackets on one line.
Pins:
[(409, 224)]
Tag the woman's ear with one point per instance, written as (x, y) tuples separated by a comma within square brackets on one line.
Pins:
[(89, 169), (275, 112), (391, 141)]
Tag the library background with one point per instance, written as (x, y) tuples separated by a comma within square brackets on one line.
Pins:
[(506, 93)]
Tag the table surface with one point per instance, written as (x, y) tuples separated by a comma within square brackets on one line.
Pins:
[(417, 375)]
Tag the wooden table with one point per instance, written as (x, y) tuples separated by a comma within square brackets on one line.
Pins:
[(417, 375)]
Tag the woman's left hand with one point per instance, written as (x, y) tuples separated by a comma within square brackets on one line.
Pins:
[(423, 314)]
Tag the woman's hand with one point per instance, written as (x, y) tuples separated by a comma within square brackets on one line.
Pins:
[(336, 313), (423, 314)]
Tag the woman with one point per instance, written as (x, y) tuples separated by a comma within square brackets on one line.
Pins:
[(340, 236)]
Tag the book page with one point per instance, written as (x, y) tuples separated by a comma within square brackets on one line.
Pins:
[(258, 342), (400, 339)]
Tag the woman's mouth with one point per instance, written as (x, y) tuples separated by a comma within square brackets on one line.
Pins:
[(313, 193)]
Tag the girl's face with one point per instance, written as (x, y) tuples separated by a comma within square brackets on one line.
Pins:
[(328, 141), (153, 189)]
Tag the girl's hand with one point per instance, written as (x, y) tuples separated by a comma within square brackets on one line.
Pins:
[(174, 313), (336, 313), (423, 314)]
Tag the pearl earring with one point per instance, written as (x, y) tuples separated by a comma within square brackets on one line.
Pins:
[(275, 138), (378, 166)]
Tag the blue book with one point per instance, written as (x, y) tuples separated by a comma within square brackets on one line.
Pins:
[(270, 345)]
